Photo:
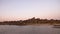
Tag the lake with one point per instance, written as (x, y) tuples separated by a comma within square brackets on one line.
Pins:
[(13, 29)]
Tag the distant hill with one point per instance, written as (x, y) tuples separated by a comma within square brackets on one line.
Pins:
[(31, 21)]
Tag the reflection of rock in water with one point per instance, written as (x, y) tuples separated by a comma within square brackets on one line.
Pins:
[(56, 26), (28, 30)]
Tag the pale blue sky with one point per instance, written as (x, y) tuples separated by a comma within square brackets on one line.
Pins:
[(24, 9)]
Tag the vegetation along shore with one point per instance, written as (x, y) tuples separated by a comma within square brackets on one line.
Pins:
[(31, 22)]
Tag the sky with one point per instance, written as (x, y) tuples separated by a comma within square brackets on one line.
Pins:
[(25, 9)]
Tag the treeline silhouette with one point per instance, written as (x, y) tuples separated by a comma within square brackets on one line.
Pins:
[(31, 21)]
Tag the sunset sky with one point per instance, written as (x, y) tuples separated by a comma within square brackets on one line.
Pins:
[(24, 9)]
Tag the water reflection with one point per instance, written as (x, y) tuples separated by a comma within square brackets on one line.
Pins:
[(6, 29)]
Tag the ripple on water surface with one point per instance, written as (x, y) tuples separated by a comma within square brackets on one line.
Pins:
[(12, 29)]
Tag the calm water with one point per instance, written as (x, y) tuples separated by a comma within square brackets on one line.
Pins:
[(6, 29)]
